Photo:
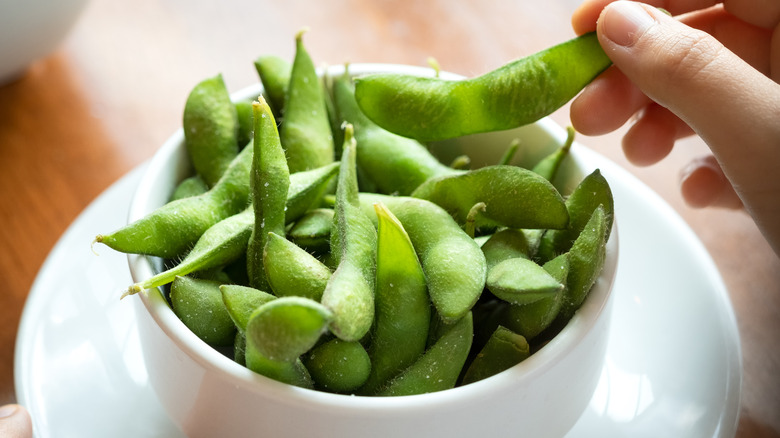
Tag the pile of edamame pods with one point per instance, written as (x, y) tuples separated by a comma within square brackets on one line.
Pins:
[(318, 248)]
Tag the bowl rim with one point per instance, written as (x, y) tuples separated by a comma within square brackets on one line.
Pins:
[(547, 357)]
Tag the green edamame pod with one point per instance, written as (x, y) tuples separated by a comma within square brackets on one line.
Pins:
[(586, 259), (592, 191), (312, 231), (338, 366), (242, 301), (291, 271), (439, 367), (350, 290), (307, 189), (246, 124), (453, 263), (516, 94), (395, 164), (198, 304), (270, 183), (192, 186), (531, 319), (403, 310), (292, 373), (219, 245), (305, 133), (514, 197), (502, 351), (285, 328), (171, 230), (210, 129), (521, 281), (239, 349), (505, 244), (274, 73), (548, 166)]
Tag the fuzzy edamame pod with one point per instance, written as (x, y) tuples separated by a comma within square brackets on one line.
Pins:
[(350, 290), (591, 192), (514, 197), (305, 133), (453, 262), (505, 244), (502, 351), (242, 301), (192, 186), (395, 164), (270, 183), (285, 328), (198, 303), (403, 310), (210, 125), (548, 166), (274, 73), (521, 281), (291, 271), (439, 367), (312, 231), (514, 95), (586, 259), (293, 373), (246, 125), (531, 319), (338, 366), (171, 230)]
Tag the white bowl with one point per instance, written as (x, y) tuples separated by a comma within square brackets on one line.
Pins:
[(31, 29), (208, 395)]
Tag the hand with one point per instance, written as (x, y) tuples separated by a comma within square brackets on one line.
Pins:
[(709, 73), (15, 422)]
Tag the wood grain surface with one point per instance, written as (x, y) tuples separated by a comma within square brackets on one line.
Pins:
[(114, 90)]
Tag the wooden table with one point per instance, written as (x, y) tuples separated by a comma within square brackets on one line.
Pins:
[(114, 91)]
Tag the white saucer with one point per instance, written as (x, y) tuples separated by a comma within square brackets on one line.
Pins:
[(673, 363)]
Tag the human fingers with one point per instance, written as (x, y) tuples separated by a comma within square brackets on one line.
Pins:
[(585, 16), (733, 107), (652, 135), (15, 422), (703, 184)]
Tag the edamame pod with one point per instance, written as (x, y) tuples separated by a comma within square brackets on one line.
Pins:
[(591, 192), (586, 259), (503, 350), (198, 303), (439, 367), (514, 95), (521, 281), (192, 186), (285, 328), (246, 124), (514, 197), (395, 164), (312, 231), (270, 183), (403, 309), (505, 244), (274, 73), (292, 373), (531, 319), (338, 366), (548, 166), (242, 301), (291, 271), (210, 129), (453, 263), (171, 230), (305, 133), (350, 290)]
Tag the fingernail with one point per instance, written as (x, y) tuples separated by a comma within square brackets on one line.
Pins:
[(624, 22), (7, 410)]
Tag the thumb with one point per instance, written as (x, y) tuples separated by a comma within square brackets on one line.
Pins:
[(733, 107), (15, 422)]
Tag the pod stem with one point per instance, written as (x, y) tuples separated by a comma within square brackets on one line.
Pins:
[(471, 218)]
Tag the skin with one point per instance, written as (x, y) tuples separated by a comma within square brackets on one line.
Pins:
[(516, 94), (270, 185), (210, 126), (712, 71), (15, 422)]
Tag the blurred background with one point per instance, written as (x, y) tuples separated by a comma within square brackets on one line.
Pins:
[(112, 91)]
